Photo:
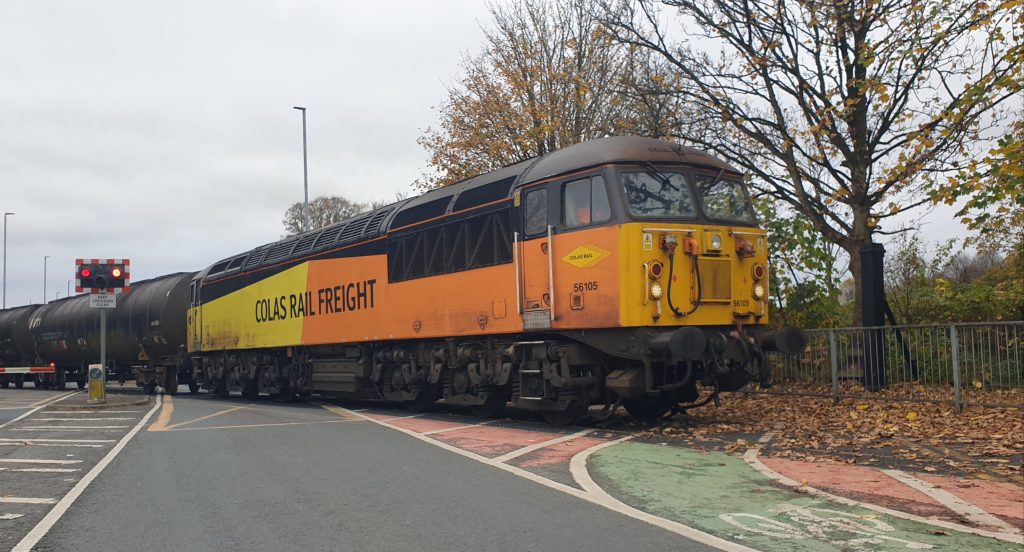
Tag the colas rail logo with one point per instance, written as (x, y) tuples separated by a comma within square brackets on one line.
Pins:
[(585, 256)]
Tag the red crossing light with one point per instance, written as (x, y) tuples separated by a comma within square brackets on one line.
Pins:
[(116, 272), (86, 273)]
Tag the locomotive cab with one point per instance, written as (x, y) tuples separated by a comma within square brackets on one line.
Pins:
[(662, 267)]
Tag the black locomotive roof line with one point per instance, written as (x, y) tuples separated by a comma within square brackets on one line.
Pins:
[(475, 192)]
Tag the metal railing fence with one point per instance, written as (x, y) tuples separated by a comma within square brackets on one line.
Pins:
[(978, 364)]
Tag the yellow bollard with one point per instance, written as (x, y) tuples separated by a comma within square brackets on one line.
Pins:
[(97, 384)]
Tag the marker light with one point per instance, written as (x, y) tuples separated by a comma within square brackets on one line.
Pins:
[(655, 290), (716, 241), (655, 270), (757, 271), (758, 292), (116, 272), (86, 273)]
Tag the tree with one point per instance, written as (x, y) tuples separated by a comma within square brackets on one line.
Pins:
[(994, 186), (548, 77), (804, 282), (323, 211), (846, 110)]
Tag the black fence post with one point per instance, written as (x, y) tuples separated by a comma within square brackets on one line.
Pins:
[(873, 315)]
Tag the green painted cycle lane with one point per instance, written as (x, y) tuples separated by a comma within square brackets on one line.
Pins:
[(722, 495)]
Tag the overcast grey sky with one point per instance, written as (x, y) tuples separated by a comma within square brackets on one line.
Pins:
[(164, 131)]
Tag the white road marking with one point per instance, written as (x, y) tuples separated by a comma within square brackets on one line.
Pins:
[(537, 446), (38, 408), (32, 444), (79, 419), (54, 515), (951, 501), (70, 428), (40, 470), (37, 461), (403, 417), (93, 411), (26, 500), (456, 428), (573, 491), (750, 457), (766, 438), (33, 439), (5, 517)]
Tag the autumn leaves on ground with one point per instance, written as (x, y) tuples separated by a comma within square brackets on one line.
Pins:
[(929, 437)]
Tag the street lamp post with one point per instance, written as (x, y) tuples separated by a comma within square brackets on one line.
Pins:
[(5, 260), (68, 294), (305, 174), (45, 257)]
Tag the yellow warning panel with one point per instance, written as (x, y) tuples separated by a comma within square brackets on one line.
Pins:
[(585, 256)]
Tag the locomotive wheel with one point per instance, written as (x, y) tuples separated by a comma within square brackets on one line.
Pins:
[(193, 387), (575, 412), (493, 405), (423, 402), (221, 390), (646, 410), (250, 391)]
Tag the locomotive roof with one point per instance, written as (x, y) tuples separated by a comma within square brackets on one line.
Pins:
[(478, 190)]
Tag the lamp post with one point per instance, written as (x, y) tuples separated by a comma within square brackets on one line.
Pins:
[(45, 257), (5, 260), (68, 294), (305, 174)]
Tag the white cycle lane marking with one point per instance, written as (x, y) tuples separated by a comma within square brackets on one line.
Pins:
[(822, 524)]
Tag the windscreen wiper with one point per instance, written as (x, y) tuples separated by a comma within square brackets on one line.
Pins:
[(653, 171)]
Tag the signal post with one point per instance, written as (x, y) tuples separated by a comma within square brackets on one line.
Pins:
[(103, 280)]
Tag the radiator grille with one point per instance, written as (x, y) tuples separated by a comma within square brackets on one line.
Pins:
[(715, 279)]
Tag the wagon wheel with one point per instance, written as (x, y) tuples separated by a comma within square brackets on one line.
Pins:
[(19, 381), (172, 382), (575, 411)]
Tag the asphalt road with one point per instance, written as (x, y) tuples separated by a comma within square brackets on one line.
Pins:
[(231, 475)]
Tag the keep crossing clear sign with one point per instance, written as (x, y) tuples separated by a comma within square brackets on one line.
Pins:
[(102, 300)]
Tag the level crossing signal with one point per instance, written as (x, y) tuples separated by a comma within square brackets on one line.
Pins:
[(102, 275)]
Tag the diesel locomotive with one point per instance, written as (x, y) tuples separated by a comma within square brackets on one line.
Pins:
[(620, 271)]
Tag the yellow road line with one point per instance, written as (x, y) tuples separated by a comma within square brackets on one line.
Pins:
[(207, 417), (165, 415), (348, 415)]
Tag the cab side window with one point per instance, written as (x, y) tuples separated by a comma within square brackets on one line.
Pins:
[(536, 212), (585, 202)]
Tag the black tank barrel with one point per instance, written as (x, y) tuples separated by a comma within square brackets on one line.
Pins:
[(149, 319)]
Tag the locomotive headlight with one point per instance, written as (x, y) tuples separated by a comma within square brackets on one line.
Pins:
[(716, 241), (758, 292), (655, 290)]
